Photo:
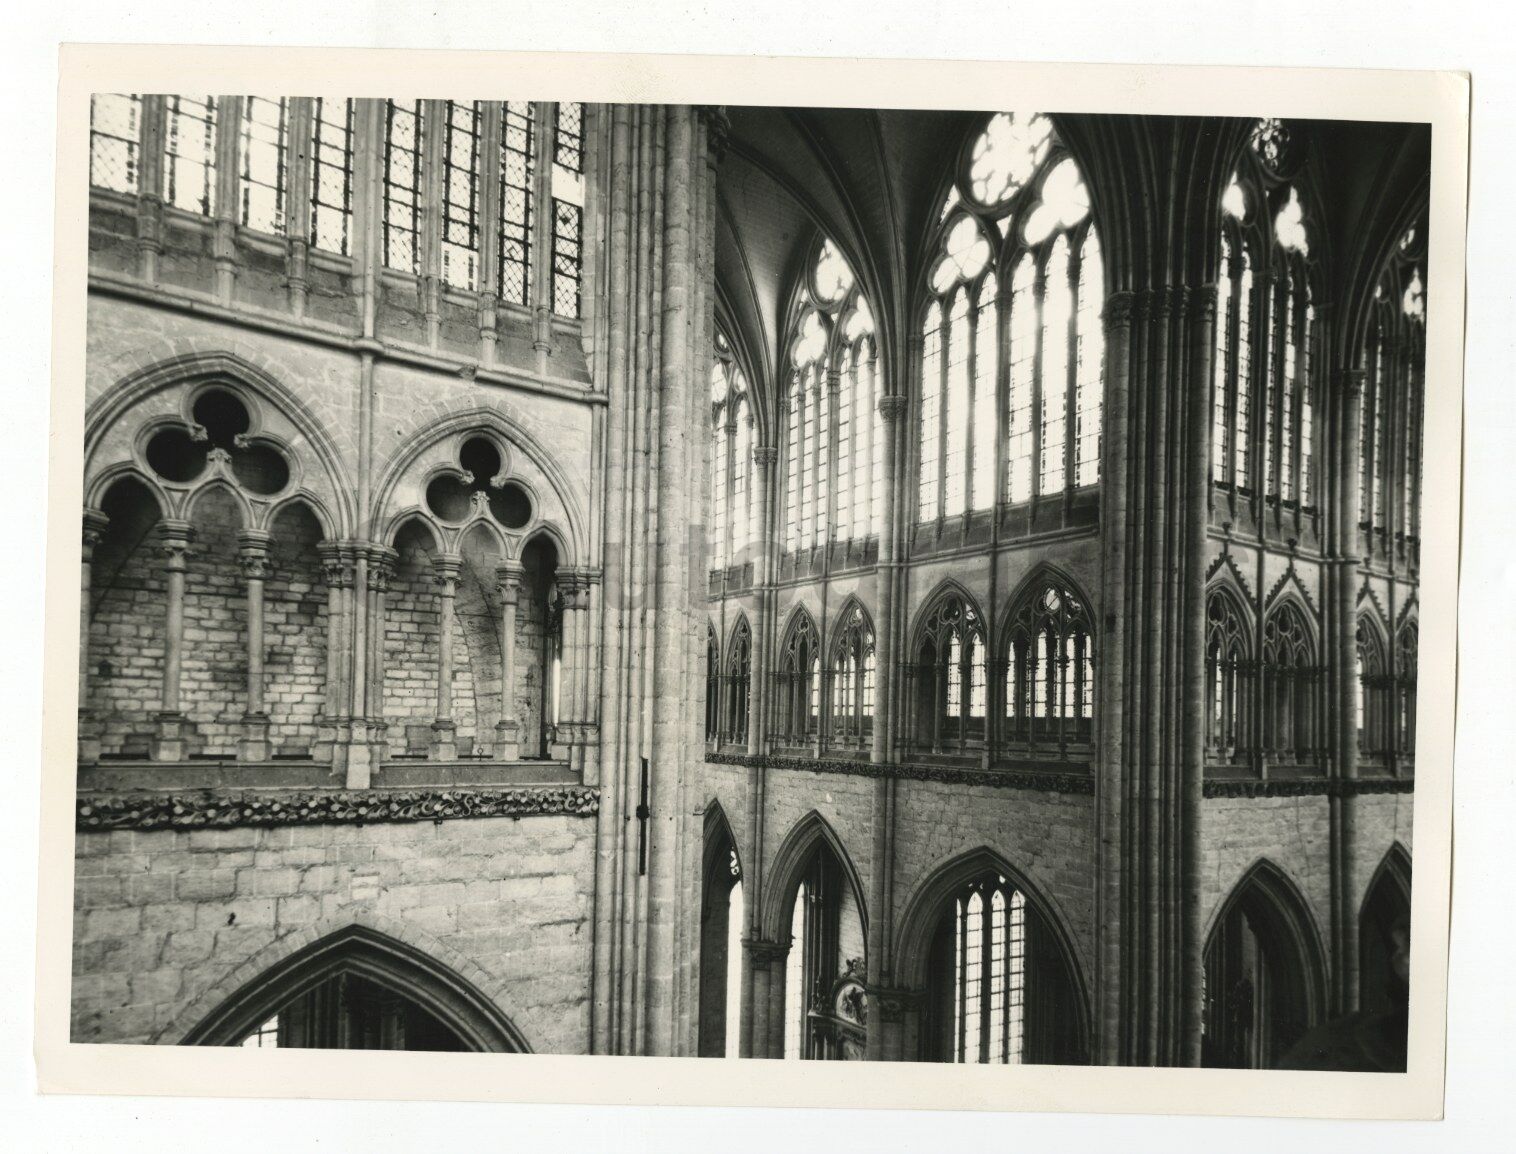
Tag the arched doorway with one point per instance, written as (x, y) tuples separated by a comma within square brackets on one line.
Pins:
[(1265, 982), (359, 989)]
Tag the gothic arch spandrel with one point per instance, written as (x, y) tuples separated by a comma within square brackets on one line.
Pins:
[(122, 424), (524, 463)]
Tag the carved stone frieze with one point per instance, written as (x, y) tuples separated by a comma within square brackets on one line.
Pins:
[(208, 810)]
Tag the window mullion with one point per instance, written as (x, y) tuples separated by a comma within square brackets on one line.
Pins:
[(1070, 405), (1039, 294), (541, 240), (944, 353)]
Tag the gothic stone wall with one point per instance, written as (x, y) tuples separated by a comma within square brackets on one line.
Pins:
[(168, 923), (1047, 836), (127, 620), (1293, 834)]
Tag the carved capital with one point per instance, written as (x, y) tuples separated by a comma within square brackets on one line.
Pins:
[(765, 455), (765, 953), (508, 578), (1118, 310), (1349, 381), (445, 570), (336, 565), (252, 554), (892, 1005), (173, 542), (381, 569), (892, 407)]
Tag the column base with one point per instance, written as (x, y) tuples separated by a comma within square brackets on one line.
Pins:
[(507, 741), (254, 745), (444, 741), (170, 742)]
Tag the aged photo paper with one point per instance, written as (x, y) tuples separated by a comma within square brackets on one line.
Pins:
[(600, 572)]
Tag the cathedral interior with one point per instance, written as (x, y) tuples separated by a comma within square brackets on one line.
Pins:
[(749, 582)]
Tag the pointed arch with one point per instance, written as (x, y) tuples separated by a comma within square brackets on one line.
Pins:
[(946, 589), (851, 670), (371, 954), (723, 918), (787, 870), (799, 677), (1224, 569), (1265, 970), (399, 485), (850, 605), (200, 367), (1047, 647), (1291, 587), (948, 676), (226, 488), (736, 681), (740, 625), (1056, 974), (1384, 936)]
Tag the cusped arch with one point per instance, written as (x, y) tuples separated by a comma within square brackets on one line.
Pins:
[(850, 605), (198, 369), (799, 618), (1289, 915), (787, 870), (573, 538), (947, 588), (739, 627), (1288, 602), (404, 967)]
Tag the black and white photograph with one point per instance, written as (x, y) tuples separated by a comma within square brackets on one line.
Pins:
[(819, 583)]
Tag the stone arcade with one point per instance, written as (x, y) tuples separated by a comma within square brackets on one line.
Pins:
[(761, 582)]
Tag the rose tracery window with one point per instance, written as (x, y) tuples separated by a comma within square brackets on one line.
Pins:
[(832, 411), (1016, 295), (1050, 676)]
